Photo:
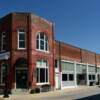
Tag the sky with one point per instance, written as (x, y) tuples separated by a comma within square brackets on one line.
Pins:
[(77, 22)]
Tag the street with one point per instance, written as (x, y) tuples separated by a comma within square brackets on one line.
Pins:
[(80, 93)]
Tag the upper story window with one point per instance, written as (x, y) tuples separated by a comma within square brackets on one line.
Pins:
[(21, 39), (42, 42), (3, 42)]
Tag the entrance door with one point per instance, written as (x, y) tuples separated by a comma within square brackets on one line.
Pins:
[(21, 73), (57, 81), (98, 78), (81, 79), (21, 79)]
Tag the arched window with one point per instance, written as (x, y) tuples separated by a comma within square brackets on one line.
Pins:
[(42, 42)]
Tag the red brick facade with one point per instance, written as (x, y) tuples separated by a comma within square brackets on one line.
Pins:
[(57, 50), (32, 25)]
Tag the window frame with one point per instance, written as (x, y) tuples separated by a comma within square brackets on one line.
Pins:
[(46, 70), (44, 40), (92, 77), (21, 32), (1, 80), (68, 79)]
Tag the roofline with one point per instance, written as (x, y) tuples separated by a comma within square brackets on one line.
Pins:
[(75, 46)]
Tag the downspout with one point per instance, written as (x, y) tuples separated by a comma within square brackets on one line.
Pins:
[(60, 64), (53, 50), (96, 67), (29, 83)]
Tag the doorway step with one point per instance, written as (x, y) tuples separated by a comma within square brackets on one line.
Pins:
[(20, 91)]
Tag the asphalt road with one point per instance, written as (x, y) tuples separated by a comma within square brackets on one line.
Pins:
[(84, 93)]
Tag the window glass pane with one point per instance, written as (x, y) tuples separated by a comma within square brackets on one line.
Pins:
[(42, 36), (46, 46), (37, 44), (42, 42), (41, 47), (39, 63), (90, 77), (21, 37), (42, 75), (55, 63), (3, 73), (93, 77), (66, 66), (46, 39), (44, 63), (37, 36), (71, 77), (4, 47), (64, 77), (21, 44), (37, 74), (22, 41), (46, 75)]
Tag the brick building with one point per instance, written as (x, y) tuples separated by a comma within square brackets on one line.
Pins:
[(30, 57)]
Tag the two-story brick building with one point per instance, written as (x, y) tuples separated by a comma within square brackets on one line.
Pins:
[(30, 57)]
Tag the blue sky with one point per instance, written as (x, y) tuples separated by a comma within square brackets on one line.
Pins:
[(77, 22)]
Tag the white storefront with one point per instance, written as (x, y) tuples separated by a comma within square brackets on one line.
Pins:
[(73, 74), (68, 74)]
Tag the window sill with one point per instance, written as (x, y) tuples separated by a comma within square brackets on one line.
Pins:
[(21, 48), (42, 83), (42, 51)]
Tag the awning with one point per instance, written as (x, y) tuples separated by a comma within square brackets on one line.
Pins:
[(5, 56)]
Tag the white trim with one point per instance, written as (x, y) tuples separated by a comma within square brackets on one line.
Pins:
[(42, 51), (42, 83), (21, 40), (75, 74), (81, 63), (45, 68), (67, 61), (39, 42), (91, 65), (78, 63), (87, 75), (5, 55), (68, 87)]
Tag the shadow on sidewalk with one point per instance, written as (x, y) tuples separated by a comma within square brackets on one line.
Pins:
[(94, 97)]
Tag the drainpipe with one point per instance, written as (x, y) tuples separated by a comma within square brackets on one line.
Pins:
[(96, 68), (53, 44), (60, 64), (29, 51)]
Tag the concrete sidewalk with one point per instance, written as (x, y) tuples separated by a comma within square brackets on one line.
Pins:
[(49, 94)]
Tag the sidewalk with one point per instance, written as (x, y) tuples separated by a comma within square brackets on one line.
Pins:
[(48, 94)]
